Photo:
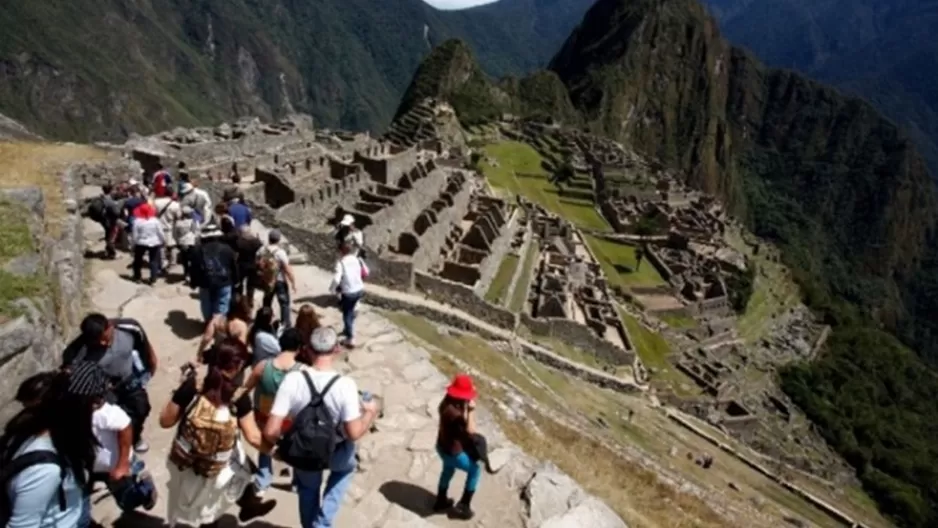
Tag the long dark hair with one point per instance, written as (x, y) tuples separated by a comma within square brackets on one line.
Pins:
[(66, 418), (263, 322), (219, 385)]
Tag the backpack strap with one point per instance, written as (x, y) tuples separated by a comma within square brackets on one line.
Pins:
[(35, 458), (316, 398)]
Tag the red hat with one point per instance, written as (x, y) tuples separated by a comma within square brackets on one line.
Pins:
[(461, 388)]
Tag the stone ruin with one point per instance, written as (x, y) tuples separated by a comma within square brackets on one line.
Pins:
[(570, 294)]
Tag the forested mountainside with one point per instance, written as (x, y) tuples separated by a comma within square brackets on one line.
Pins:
[(836, 185), (85, 70), (884, 50)]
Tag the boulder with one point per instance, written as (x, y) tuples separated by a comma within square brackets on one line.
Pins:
[(592, 512), (554, 500)]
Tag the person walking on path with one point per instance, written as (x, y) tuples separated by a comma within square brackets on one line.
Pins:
[(348, 234), (247, 245), (115, 463), (209, 470), (238, 210), (105, 210), (308, 396), (263, 336), (213, 271), (349, 284), (168, 211), (275, 276), (454, 441), (116, 345), (197, 199), (148, 238), (265, 379), (47, 452), (186, 234)]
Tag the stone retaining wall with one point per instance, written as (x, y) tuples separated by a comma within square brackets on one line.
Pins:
[(33, 341), (463, 298), (579, 336)]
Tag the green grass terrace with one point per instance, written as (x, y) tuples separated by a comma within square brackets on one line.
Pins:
[(620, 265), (519, 171)]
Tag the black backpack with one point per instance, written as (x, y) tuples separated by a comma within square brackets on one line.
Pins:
[(341, 235), (97, 210), (311, 440), (17, 466)]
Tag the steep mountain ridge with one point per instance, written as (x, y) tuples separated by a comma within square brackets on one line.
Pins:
[(80, 70), (821, 172), (883, 50)]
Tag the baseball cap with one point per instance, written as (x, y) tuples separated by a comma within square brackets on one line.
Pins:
[(324, 340), (348, 220)]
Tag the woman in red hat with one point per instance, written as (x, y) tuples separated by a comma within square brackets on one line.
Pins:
[(457, 424)]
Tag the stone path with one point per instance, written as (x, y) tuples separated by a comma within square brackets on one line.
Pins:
[(398, 462)]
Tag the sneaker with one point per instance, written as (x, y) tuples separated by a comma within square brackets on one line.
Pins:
[(461, 511), (141, 447)]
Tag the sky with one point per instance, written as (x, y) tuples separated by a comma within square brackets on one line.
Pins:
[(456, 4)]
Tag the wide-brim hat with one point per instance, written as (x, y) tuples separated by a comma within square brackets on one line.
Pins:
[(210, 231), (462, 388), (347, 220)]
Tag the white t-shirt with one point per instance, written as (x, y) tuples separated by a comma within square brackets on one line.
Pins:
[(293, 395), (107, 422), (348, 274), (280, 255)]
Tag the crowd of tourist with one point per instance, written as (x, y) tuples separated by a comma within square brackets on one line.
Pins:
[(268, 384)]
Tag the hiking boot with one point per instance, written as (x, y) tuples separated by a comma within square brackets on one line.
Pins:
[(141, 447), (462, 512), (442, 504)]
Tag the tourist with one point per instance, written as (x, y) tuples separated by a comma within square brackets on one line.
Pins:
[(350, 417), (349, 284), (348, 234), (115, 463), (185, 233), (224, 220), (31, 391), (263, 336), (197, 199), (148, 240), (135, 198), (275, 276), (233, 325), (161, 183), (208, 467), (168, 211), (213, 270), (247, 245), (265, 379), (46, 452), (454, 440), (238, 210), (306, 321), (105, 211), (112, 344)]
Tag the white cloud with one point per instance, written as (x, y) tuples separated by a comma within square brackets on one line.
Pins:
[(456, 4)]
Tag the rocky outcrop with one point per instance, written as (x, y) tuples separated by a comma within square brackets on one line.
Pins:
[(554, 500)]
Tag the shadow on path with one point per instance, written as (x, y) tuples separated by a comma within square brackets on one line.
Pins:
[(145, 520), (325, 300), (409, 496), (183, 326)]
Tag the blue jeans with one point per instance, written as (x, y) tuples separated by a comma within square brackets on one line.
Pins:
[(347, 304), (461, 461), (319, 511), (265, 472), (129, 492), (214, 301), (282, 292)]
